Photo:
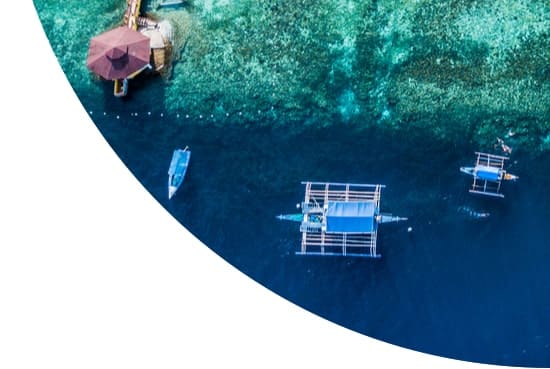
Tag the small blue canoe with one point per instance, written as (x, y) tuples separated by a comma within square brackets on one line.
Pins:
[(177, 170)]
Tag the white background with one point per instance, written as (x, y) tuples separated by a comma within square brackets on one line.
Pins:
[(94, 273)]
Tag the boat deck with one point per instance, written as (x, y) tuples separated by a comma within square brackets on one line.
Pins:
[(316, 240), (488, 163)]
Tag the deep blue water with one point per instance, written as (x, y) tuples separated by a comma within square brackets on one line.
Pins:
[(456, 287)]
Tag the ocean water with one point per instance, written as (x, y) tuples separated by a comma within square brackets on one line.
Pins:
[(475, 290)]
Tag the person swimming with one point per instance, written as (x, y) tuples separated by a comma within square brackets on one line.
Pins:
[(507, 149)]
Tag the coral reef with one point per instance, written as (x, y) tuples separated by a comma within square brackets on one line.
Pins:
[(389, 62), (70, 32), (462, 69)]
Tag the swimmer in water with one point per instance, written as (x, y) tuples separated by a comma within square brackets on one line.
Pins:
[(507, 149)]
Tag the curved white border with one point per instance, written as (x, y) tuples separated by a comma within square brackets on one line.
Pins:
[(94, 273)]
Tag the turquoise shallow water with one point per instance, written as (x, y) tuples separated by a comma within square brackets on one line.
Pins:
[(455, 286)]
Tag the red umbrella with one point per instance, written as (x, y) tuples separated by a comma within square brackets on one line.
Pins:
[(118, 53)]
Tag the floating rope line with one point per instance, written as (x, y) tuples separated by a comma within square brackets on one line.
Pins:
[(179, 115)]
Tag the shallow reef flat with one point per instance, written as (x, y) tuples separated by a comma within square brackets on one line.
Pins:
[(463, 69), (483, 66)]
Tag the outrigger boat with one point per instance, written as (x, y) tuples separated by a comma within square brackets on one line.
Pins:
[(177, 170), (488, 174), (340, 219)]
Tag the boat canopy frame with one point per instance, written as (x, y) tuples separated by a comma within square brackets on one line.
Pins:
[(488, 174), (318, 240)]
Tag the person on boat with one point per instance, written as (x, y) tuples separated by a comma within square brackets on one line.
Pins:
[(507, 149)]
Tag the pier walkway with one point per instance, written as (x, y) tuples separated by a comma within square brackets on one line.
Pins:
[(132, 13)]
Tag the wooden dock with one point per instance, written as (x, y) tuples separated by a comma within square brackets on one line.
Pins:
[(132, 13), (161, 47)]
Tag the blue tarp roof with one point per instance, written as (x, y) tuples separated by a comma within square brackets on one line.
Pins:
[(487, 173), (353, 217)]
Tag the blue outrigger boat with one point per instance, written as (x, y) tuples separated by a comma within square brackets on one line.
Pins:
[(177, 170), (488, 174), (340, 219)]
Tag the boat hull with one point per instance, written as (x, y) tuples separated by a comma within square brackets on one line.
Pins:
[(510, 177), (177, 170), (468, 170)]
